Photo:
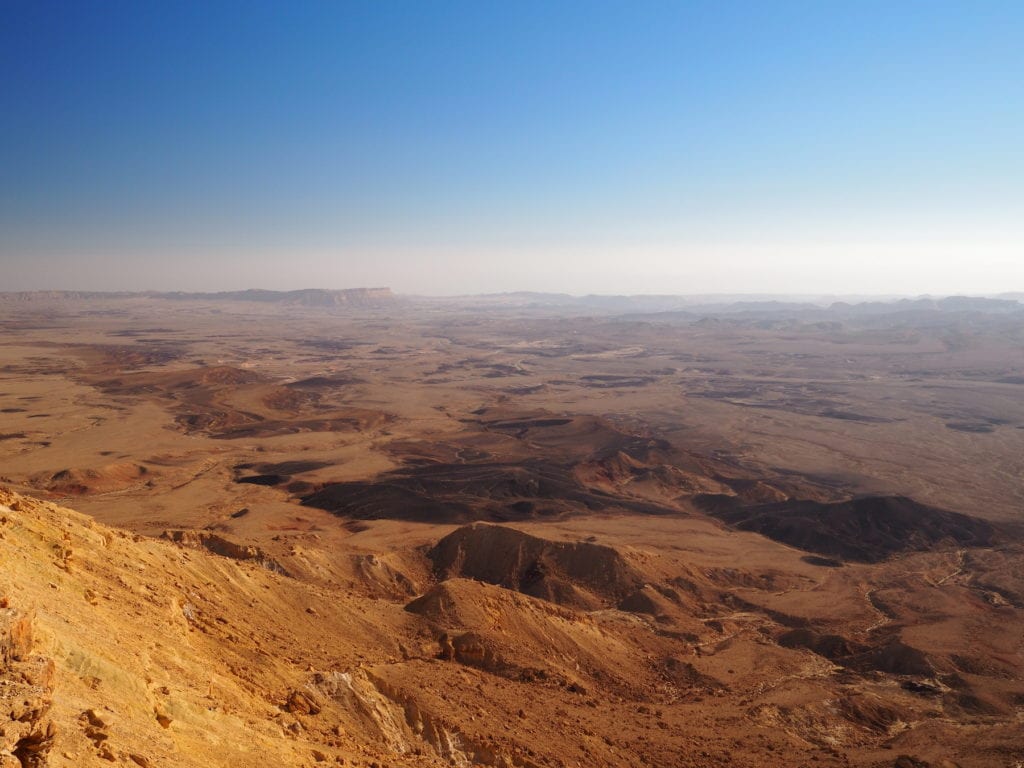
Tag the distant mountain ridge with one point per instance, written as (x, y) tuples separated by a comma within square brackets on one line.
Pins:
[(703, 304), (696, 306), (947, 304), (306, 297)]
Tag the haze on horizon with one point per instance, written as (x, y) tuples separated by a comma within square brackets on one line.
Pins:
[(457, 147)]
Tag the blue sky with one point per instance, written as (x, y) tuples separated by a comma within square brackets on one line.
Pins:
[(448, 147)]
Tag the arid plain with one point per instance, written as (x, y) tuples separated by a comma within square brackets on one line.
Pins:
[(352, 528)]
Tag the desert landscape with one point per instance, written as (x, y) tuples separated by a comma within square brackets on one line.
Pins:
[(369, 529), (511, 385)]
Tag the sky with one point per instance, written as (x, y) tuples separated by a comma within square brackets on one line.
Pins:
[(469, 147)]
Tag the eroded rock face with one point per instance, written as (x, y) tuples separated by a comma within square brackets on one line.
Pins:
[(224, 547), (15, 636), (410, 728), (26, 689), (302, 703)]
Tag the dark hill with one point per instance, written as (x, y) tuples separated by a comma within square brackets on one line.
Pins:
[(578, 574), (462, 493), (867, 529)]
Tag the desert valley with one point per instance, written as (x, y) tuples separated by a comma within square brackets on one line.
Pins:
[(354, 528)]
